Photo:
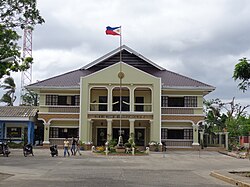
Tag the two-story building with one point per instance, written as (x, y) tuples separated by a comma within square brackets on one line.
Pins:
[(156, 104)]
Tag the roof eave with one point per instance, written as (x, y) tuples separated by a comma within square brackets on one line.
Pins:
[(188, 88), (53, 87)]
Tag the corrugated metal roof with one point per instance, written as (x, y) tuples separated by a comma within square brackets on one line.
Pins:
[(18, 111), (72, 78)]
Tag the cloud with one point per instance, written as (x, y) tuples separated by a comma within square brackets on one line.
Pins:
[(199, 39)]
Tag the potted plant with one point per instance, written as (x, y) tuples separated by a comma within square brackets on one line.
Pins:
[(82, 145), (87, 145), (154, 146)]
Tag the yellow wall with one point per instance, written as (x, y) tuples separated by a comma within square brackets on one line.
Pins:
[(109, 77)]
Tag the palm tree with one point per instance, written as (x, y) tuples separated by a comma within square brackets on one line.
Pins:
[(10, 87), (30, 98)]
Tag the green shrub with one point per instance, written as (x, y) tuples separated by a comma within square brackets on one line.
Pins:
[(15, 145)]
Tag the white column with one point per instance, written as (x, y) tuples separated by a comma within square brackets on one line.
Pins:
[(89, 130), (220, 142), (226, 140), (132, 100), (109, 129), (132, 127), (46, 133), (202, 138), (195, 134), (110, 106), (151, 122)]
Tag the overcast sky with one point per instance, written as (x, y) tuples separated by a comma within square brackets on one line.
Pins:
[(200, 39)]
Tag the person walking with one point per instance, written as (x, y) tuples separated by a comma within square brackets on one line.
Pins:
[(66, 147), (78, 146), (73, 147)]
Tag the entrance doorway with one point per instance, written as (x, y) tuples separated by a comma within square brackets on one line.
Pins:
[(140, 137), (124, 133), (101, 136)]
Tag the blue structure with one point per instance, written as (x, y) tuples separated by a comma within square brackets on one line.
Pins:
[(2, 128), (17, 123)]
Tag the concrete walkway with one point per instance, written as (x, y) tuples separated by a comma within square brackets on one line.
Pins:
[(175, 168)]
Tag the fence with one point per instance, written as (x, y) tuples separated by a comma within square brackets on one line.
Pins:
[(213, 140)]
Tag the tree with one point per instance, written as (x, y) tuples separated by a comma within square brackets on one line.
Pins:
[(228, 117), (30, 98), (242, 73), (10, 87), (15, 14), (214, 117)]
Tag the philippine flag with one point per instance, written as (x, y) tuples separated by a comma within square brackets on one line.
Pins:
[(113, 30)]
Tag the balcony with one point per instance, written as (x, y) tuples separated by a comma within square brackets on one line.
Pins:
[(60, 109)]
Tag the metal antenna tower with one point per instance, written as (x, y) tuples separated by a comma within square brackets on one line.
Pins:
[(26, 77)]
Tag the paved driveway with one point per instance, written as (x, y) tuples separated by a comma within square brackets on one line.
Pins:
[(176, 168)]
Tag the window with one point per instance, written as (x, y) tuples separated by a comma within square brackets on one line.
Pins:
[(188, 134), (164, 133), (62, 100), (175, 134), (125, 106), (139, 100), (77, 100), (164, 101), (14, 132), (190, 101), (56, 132), (176, 101), (103, 99), (51, 99)]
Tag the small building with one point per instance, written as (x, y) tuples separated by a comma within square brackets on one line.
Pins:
[(17, 123), (156, 104)]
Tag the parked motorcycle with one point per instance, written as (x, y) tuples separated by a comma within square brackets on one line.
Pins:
[(53, 150), (4, 149), (27, 150)]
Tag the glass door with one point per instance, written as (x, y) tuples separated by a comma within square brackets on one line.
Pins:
[(140, 137)]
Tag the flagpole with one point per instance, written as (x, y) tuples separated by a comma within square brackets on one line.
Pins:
[(117, 31), (120, 84)]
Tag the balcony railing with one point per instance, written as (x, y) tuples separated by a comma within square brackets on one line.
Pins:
[(175, 110), (60, 109), (98, 106), (138, 107), (143, 107), (178, 142)]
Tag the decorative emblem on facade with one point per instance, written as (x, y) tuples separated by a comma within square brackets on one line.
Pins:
[(121, 75)]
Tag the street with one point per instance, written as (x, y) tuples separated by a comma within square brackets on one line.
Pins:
[(176, 168)]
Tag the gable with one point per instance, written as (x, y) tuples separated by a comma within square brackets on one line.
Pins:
[(129, 56), (110, 75)]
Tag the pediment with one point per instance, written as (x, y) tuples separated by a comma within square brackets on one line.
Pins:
[(129, 57)]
